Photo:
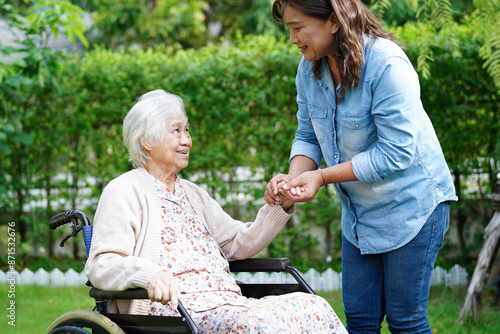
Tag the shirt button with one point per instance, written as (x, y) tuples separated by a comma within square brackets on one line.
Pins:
[(336, 156), (326, 88), (357, 125)]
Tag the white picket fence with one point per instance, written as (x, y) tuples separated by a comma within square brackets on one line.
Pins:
[(328, 280)]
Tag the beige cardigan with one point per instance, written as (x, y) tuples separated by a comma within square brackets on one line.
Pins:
[(127, 225)]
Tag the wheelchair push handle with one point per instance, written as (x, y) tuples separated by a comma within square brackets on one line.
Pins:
[(67, 217), (58, 220), (73, 217)]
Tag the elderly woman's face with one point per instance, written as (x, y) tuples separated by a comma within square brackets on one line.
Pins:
[(172, 154)]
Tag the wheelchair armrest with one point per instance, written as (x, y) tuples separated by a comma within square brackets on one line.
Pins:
[(260, 265), (102, 296), (137, 293), (269, 265)]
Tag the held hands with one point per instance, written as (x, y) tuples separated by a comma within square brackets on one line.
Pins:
[(272, 195), (162, 288), (304, 187), (284, 188)]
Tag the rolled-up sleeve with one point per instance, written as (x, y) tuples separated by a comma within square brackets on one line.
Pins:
[(396, 108)]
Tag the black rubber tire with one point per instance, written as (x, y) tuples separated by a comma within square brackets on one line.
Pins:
[(77, 321), (68, 330)]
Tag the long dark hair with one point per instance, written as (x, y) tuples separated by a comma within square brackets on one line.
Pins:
[(354, 20)]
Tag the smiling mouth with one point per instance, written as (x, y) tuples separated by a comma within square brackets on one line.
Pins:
[(183, 152), (303, 49)]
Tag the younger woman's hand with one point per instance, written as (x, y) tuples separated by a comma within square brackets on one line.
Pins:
[(163, 288), (304, 187)]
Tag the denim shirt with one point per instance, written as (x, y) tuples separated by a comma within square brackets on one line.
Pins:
[(382, 127)]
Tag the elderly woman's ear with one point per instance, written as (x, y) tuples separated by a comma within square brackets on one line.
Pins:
[(144, 144)]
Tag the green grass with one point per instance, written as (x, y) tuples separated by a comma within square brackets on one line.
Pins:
[(444, 307), (37, 307)]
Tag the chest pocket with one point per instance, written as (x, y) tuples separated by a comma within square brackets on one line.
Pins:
[(318, 116), (358, 132)]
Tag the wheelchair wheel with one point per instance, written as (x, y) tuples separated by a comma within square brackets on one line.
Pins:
[(68, 330), (83, 322)]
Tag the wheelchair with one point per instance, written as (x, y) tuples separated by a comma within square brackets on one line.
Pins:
[(99, 321)]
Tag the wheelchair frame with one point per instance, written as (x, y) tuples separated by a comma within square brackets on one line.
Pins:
[(99, 321)]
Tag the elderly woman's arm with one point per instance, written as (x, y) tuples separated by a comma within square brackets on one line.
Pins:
[(114, 262), (237, 239), (243, 240)]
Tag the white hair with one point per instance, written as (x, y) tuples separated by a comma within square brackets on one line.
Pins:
[(146, 122)]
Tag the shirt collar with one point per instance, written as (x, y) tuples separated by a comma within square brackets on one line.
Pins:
[(165, 193)]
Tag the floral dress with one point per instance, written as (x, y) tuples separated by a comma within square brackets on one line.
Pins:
[(210, 293)]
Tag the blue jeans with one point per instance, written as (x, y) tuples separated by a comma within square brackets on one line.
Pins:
[(394, 284)]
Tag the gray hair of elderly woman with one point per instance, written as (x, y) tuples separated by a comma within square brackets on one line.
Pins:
[(146, 123)]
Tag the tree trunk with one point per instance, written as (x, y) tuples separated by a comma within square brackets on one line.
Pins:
[(473, 298), (48, 213)]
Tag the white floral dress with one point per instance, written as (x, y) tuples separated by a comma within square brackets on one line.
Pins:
[(211, 295)]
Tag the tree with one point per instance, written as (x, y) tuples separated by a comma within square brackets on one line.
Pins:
[(29, 70), (437, 14)]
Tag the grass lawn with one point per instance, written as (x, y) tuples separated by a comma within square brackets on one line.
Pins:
[(444, 307), (37, 307)]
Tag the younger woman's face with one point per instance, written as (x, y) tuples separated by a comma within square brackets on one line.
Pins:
[(313, 36)]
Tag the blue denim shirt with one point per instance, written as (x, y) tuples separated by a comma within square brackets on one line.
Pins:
[(382, 127)]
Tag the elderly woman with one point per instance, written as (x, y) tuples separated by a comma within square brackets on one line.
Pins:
[(154, 230)]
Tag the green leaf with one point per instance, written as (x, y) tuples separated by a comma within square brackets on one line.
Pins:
[(22, 138)]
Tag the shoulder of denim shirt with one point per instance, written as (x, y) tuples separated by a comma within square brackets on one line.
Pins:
[(379, 53), (305, 68), (382, 46)]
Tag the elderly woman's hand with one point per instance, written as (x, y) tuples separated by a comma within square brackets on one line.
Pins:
[(285, 202), (272, 195), (276, 195), (162, 288)]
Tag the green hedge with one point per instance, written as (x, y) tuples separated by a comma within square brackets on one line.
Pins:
[(240, 98), (240, 102)]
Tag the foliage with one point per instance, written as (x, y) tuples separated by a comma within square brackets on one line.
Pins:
[(193, 23), (240, 99), (29, 71), (252, 17), (487, 25), (61, 125), (131, 22), (180, 24), (438, 14), (175, 23), (114, 21)]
